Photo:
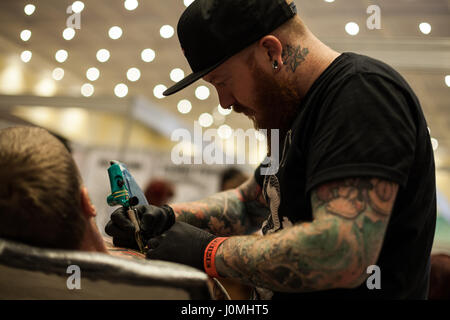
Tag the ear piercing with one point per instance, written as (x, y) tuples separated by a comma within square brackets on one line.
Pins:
[(275, 65)]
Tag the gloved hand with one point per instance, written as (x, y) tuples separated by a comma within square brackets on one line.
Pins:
[(153, 221), (182, 243)]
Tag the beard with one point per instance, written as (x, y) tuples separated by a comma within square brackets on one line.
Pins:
[(277, 105)]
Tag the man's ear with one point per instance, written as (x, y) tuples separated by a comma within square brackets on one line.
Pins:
[(273, 50), (86, 204)]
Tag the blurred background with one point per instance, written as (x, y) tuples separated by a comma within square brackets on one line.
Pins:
[(93, 73)]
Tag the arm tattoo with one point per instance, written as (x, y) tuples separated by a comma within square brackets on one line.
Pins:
[(293, 57), (234, 212), (332, 251)]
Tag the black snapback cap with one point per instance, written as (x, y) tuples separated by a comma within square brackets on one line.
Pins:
[(212, 31)]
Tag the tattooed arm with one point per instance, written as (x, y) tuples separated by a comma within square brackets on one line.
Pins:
[(332, 251), (234, 212)]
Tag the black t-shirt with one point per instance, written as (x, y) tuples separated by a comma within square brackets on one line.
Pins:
[(361, 119)]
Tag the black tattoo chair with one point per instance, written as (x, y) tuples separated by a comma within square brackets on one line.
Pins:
[(34, 273)]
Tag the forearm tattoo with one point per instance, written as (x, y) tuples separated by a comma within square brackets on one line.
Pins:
[(332, 251), (294, 56), (234, 212)]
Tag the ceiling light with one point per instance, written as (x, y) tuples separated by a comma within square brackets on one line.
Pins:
[(73, 122), (329, 1), (103, 55), (352, 28), (166, 31), (12, 78), (121, 90), (87, 90), (61, 55), (184, 106), (115, 32), (148, 55), (224, 131), (205, 120), (68, 33), (425, 28), (25, 56), (77, 6), (29, 9), (133, 74), (92, 74), (131, 4), (158, 91), (25, 35), (188, 2), (176, 75), (46, 87), (447, 80), (224, 111), (202, 93), (58, 74)]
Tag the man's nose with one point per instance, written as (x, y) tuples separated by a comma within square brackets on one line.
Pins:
[(226, 100)]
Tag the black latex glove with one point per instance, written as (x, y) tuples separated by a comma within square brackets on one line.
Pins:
[(153, 221), (182, 243)]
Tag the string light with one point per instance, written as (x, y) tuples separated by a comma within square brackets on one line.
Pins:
[(77, 6), (68, 34), (61, 55), (425, 28), (121, 90), (184, 106), (224, 111), (26, 55), (115, 32), (29, 9), (176, 75), (202, 93), (352, 28), (130, 4), (158, 91), (205, 120), (92, 74), (87, 90), (133, 74), (58, 74), (166, 31), (25, 35), (103, 55), (148, 55)]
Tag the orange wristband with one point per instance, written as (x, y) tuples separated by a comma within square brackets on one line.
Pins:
[(210, 254)]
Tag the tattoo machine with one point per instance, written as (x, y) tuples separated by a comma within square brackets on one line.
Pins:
[(127, 193)]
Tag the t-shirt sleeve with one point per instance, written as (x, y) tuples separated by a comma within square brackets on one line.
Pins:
[(366, 130)]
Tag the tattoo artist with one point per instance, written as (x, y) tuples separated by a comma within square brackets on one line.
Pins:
[(355, 185)]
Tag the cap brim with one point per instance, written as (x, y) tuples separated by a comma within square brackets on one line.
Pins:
[(191, 79)]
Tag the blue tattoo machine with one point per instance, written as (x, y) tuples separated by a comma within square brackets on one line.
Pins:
[(127, 193)]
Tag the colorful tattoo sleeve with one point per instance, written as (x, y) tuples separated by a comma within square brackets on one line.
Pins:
[(234, 212), (332, 251)]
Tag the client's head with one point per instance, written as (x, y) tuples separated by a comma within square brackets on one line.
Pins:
[(42, 200)]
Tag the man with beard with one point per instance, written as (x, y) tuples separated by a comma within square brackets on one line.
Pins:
[(354, 194)]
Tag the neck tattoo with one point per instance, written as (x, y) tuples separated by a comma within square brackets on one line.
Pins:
[(294, 56)]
